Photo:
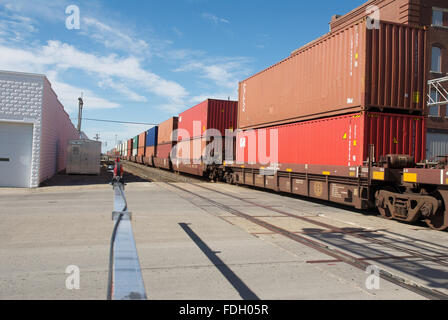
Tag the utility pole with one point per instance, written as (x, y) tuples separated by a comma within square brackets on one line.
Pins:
[(80, 104), (97, 137)]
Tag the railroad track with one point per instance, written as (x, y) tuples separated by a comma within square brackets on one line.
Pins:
[(336, 254), (360, 233)]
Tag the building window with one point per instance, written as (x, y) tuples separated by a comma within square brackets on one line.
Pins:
[(437, 18), (434, 111), (436, 60)]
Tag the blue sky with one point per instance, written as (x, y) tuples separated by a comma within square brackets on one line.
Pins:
[(145, 61)]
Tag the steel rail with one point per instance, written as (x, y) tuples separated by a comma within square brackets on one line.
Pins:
[(414, 253), (337, 254), (125, 276)]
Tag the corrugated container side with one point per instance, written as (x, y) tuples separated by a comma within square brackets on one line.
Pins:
[(351, 70), (130, 145), (395, 67), (141, 144), (164, 150), (142, 140), (210, 114), (192, 149), (222, 115), (166, 129), (395, 134), (437, 146), (193, 122), (151, 136), (150, 151), (338, 141)]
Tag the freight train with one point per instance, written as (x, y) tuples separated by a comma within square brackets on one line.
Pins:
[(341, 119)]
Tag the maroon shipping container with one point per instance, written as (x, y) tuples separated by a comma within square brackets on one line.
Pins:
[(150, 152), (354, 69), (164, 150), (337, 141), (210, 114), (193, 149), (141, 147), (130, 141), (166, 129)]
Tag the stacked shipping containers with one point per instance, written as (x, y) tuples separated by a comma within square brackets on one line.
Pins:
[(129, 153), (351, 71), (197, 126), (141, 147), (150, 145), (134, 148), (166, 140), (334, 141)]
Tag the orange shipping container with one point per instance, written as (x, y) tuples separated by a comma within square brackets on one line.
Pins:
[(142, 140), (351, 70), (192, 149), (150, 152), (165, 131)]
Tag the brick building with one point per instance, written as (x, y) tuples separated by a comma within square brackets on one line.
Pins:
[(433, 15), (34, 130)]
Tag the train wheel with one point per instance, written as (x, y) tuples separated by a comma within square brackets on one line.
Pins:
[(439, 221), (385, 212)]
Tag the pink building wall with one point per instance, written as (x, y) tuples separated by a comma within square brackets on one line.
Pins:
[(57, 130)]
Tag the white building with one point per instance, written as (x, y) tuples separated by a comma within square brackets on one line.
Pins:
[(34, 130)]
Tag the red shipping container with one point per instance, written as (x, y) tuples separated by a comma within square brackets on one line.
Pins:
[(166, 129), (142, 140), (192, 149), (338, 141), (141, 144), (164, 150), (210, 114), (129, 148), (352, 70), (150, 152)]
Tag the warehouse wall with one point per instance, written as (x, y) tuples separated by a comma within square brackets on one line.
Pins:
[(57, 130), (437, 145), (20, 100)]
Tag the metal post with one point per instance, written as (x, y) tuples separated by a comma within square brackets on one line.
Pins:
[(125, 277), (80, 105)]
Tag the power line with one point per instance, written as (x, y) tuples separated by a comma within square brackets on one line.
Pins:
[(114, 121)]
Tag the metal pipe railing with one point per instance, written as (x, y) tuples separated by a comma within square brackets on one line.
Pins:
[(440, 88), (125, 276)]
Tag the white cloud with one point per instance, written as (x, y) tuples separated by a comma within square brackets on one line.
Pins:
[(113, 38), (181, 54), (225, 73), (177, 32), (172, 108), (231, 94), (15, 27), (66, 56), (123, 89), (50, 10), (61, 56), (214, 19), (68, 95), (120, 132)]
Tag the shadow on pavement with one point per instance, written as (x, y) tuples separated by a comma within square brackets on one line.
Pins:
[(105, 177)]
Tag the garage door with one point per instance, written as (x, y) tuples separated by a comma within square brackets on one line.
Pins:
[(436, 146), (16, 143)]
